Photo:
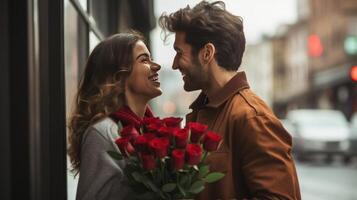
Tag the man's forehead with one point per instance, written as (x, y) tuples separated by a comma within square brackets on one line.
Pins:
[(179, 39), (180, 36)]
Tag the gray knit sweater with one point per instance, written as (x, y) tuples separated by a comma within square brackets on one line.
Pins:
[(101, 177)]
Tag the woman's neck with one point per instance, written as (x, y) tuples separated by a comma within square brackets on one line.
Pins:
[(136, 104)]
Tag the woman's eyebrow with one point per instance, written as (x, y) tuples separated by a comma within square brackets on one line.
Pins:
[(143, 54)]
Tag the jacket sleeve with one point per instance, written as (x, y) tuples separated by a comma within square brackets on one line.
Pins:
[(101, 177), (267, 164)]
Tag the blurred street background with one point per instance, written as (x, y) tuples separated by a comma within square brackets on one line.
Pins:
[(321, 181)]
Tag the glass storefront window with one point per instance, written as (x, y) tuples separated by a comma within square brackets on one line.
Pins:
[(93, 40), (72, 70), (83, 3), (71, 54)]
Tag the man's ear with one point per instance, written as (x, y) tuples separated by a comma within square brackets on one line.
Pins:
[(208, 52)]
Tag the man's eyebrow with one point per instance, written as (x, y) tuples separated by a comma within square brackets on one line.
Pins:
[(143, 54)]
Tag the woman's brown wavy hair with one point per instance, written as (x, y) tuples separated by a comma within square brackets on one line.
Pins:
[(101, 90)]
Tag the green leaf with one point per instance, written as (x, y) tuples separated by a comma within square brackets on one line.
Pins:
[(197, 184), (138, 177), (145, 180), (152, 186), (204, 169), (183, 192), (115, 155), (169, 187), (133, 159), (197, 187), (183, 179), (213, 177)]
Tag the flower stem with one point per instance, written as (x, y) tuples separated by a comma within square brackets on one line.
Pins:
[(204, 156)]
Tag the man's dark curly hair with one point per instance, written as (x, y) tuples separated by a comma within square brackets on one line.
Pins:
[(209, 23)]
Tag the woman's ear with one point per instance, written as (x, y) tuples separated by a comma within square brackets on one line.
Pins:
[(208, 52)]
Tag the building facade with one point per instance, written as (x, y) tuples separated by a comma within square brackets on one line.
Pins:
[(313, 58), (332, 22), (260, 71)]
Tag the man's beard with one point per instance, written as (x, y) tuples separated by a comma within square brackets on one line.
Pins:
[(194, 79)]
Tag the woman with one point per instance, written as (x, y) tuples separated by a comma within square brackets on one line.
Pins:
[(120, 79)]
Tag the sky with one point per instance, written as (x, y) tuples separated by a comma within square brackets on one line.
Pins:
[(259, 17)]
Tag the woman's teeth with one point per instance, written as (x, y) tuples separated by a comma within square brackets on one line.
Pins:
[(154, 78)]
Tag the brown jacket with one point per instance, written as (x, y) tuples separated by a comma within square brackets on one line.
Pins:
[(256, 151)]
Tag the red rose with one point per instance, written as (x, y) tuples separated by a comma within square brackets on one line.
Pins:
[(122, 143), (164, 132), (153, 128), (178, 159), (151, 120), (141, 143), (172, 121), (165, 141), (211, 141), (149, 136), (125, 146), (130, 149), (181, 137), (197, 131), (193, 154), (148, 161), (129, 132), (159, 146)]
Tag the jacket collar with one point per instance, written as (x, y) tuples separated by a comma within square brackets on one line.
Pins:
[(236, 84)]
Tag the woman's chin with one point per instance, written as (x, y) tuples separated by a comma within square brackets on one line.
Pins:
[(154, 93), (158, 92)]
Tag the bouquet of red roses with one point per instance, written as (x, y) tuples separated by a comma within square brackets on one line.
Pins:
[(165, 161)]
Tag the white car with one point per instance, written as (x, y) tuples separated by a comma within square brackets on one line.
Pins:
[(288, 126), (319, 131), (352, 149)]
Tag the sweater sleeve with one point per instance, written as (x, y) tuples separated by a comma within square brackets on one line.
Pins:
[(101, 177)]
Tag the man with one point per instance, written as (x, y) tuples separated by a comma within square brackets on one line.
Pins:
[(256, 152)]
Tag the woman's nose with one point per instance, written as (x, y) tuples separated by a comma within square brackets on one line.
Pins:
[(155, 66), (174, 64)]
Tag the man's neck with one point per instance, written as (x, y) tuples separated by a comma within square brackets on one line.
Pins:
[(217, 80)]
